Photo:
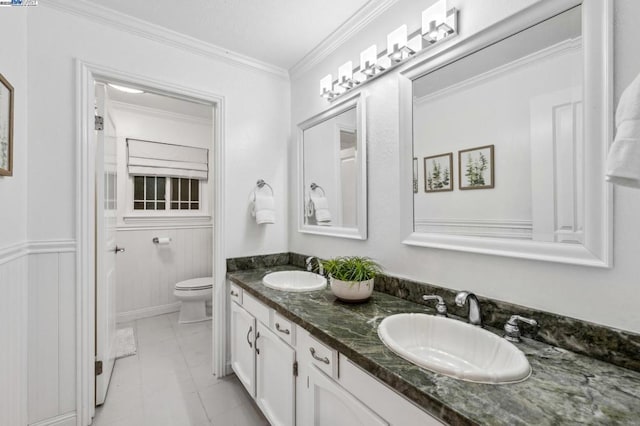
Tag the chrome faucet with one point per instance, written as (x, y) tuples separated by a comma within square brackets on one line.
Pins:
[(308, 262), (441, 308), (475, 316), (511, 329)]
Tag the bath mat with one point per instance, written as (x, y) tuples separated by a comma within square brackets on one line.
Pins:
[(125, 343)]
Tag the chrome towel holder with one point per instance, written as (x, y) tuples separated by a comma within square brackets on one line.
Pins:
[(315, 186), (261, 184)]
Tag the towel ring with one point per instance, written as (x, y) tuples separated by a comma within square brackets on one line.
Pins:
[(261, 184), (315, 186)]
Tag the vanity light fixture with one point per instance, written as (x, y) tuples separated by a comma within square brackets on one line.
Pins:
[(397, 49), (126, 89), (326, 87), (369, 61), (345, 76), (438, 23)]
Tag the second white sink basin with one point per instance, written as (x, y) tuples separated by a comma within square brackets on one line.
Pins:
[(294, 281), (454, 348)]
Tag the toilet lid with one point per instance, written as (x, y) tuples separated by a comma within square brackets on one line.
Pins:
[(195, 284)]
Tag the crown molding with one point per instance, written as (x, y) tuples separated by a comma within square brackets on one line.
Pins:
[(139, 27), (159, 113), (344, 32)]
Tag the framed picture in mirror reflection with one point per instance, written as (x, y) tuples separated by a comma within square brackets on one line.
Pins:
[(6, 127), (438, 173), (475, 168)]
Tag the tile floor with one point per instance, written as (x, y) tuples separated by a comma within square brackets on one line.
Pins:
[(169, 382)]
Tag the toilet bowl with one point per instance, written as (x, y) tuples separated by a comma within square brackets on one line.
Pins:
[(193, 295)]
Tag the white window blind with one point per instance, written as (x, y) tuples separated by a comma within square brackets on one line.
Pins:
[(145, 158)]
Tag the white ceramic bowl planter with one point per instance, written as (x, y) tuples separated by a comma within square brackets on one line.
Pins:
[(351, 291), (351, 277)]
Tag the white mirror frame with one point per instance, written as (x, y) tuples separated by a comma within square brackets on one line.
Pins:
[(597, 250), (360, 231)]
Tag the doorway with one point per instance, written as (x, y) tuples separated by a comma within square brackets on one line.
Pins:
[(96, 191)]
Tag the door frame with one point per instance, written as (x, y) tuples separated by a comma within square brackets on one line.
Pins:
[(86, 75)]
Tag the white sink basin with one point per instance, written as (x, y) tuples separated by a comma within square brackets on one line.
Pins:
[(454, 348), (294, 281)]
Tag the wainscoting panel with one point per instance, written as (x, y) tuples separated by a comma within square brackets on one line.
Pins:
[(13, 335), (51, 333), (148, 272)]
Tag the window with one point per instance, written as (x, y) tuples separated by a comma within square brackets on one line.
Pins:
[(150, 193), (185, 194)]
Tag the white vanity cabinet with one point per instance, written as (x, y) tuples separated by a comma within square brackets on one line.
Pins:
[(297, 379), (243, 361), (329, 404), (264, 363), (275, 379)]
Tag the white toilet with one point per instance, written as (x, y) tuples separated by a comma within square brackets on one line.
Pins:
[(193, 295)]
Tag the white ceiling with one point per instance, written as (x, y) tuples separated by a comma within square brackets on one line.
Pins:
[(279, 32)]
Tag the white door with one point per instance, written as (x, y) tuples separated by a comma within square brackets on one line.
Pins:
[(106, 249), (243, 359), (557, 167), (329, 404), (275, 382)]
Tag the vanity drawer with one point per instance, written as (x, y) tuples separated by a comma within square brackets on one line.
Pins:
[(235, 293), (321, 355), (255, 308), (284, 328)]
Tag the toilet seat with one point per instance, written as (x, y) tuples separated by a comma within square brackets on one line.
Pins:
[(195, 284)]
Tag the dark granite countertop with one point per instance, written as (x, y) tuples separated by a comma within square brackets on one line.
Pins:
[(564, 387)]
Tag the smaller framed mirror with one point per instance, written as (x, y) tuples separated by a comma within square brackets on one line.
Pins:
[(332, 172)]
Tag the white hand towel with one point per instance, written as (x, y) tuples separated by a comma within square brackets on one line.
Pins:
[(321, 209), (264, 207), (623, 162)]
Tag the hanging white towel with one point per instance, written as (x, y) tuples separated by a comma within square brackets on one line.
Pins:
[(321, 210), (263, 209), (623, 162)]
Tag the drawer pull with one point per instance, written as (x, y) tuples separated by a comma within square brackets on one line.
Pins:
[(248, 333), (316, 357), (282, 330), (234, 294), (257, 337)]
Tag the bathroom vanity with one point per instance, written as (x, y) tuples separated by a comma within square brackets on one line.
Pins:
[(329, 356)]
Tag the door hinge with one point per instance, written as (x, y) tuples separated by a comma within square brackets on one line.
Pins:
[(98, 368), (295, 369), (99, 122)]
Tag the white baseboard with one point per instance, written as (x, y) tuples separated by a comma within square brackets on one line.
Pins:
[(147, 312), (68, 419)]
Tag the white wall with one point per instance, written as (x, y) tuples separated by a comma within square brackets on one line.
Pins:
[(607, 297), (13, 229)]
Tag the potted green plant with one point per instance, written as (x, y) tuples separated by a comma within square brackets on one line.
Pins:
[(351, 277)]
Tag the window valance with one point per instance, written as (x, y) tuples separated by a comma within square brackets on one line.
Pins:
[(162, 159)]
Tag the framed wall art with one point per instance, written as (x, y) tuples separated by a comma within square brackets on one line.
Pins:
[(6, 127), (475, 168), (438, 173)]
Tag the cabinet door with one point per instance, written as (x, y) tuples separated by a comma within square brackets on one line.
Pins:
[(329, 404), (275, 382), (243, 360)]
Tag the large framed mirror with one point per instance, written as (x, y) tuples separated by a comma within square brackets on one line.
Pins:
[(332, 171), (504, 138)]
